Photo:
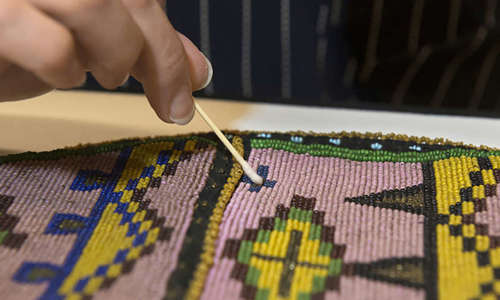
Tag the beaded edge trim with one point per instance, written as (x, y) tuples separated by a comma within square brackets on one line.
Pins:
[(207, 257), (92, 148), (377, 136)]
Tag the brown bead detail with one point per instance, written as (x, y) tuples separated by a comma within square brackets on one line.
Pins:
[(250, 235), (8, 223), (147, 250), (481, 229), (14, 240), (338, 251), (200, 145), (318, 217), (479, 205), (266, 223), (484, 163), (170, 169), (158, 222), (348, 269), (494, 242), (231, 248), (248, 292), (150, 214), (86, 297), (138, 195), (490, 190), (282, 212), (496, 174), (5, 203), (107, 282), (303, 202), (185, 156), (239, 271), (165, 234), (332, 283), (327, 234), (476, 178), (144, 205), (318, 296), (128, 266), (468, 219), (155, 182)]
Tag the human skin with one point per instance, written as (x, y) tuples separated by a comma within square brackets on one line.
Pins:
[(48, 44)]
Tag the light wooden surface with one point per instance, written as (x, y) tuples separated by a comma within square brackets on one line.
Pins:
[(61, 119)]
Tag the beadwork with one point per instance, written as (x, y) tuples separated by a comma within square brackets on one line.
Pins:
[(339, 216)]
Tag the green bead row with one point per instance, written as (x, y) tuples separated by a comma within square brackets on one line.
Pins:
[(263, 236), (3, 234), (368, 155), (262, 294), (318, 285), (335, 267), (315, 232), (252, 276), (279, 224), (300, 215), (325, 248), (245, 252)]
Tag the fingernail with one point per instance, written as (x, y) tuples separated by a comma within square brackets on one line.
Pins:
[(125, 79), (210, 72), (179, 104), (83, 80)]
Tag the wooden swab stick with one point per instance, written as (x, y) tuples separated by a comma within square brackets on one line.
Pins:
[(246, 167)]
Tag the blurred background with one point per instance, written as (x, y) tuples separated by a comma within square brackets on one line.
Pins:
[(416, 67), (409, 55)]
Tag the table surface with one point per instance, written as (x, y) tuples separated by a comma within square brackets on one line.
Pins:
[(68, 118)]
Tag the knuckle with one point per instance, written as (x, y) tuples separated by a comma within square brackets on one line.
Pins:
[(117, 67), (176, 62)]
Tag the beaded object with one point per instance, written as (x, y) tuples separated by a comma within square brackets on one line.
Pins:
[(339, 216)]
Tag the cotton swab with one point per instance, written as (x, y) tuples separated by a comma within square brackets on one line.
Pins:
[(246, 167)]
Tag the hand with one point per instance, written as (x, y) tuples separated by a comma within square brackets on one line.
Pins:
[(47, 44)]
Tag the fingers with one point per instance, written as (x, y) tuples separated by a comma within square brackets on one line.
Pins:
[(60, 40), (110, 40), (200, 68), (163, 68), (17, 84), (53, 58)]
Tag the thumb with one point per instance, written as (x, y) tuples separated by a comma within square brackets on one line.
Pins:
[(200, 68)]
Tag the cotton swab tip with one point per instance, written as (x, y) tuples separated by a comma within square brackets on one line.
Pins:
[(252, 174), (246, 167)]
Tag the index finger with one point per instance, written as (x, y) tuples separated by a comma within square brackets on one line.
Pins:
[(163, 67)]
